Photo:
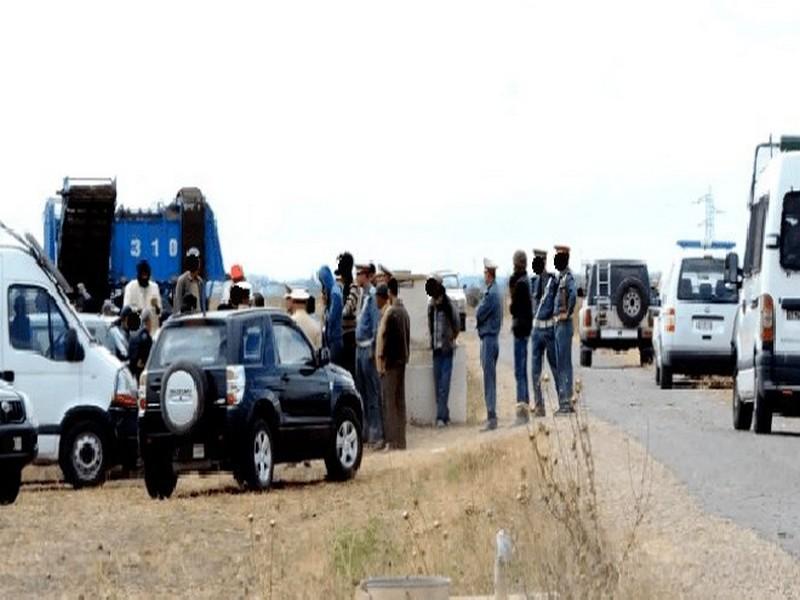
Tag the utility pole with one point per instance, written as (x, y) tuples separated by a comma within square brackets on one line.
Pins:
[(711, 213)]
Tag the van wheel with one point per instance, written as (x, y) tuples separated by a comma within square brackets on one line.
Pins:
[(666, 378), (742, 412), (346, 446), (84, 454), (10, 479), (258, 458), (762, 423), (160, 478), (586, 357)]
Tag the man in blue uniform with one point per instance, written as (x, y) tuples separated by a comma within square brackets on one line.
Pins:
[(566, 295), (368, 381), (543, 296), (489, 317)]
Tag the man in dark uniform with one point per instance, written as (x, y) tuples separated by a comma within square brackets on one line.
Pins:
[(566, 296), (521, 322)]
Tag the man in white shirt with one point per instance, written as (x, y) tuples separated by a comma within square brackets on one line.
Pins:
[(143, 293)]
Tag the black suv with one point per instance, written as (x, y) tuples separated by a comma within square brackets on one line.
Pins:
[(242, 391), (18, 441)]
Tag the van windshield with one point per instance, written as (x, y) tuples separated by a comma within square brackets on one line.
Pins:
[(204, 345), (790, 232), (702, 280)]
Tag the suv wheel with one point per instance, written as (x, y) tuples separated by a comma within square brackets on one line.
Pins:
[(160, 478), (666, 378), (742, 412), (762, 423), (586, 357), (10, 479), (344, 452), (84, 454), (259, 458)]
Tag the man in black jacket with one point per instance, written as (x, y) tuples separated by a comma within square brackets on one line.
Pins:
[(521, 324)]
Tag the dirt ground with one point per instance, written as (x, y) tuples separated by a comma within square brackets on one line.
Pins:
[(433, 508)]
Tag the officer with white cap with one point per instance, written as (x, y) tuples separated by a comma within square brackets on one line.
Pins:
[(566, 296), (543, 296), (489, 317), (298, 301)]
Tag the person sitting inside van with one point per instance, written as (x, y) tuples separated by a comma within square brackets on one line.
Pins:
[(21, 335)]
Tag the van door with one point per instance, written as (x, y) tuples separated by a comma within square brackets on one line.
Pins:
[(786, 296), (35, 353)]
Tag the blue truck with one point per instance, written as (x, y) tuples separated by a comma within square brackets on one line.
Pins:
[(98, 244)]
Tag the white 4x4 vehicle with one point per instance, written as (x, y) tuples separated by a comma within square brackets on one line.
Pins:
[(83, 397), (767, 330), (694, 330)]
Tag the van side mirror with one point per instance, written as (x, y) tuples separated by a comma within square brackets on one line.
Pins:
[(323, 357), (732, 272), (73, 350)]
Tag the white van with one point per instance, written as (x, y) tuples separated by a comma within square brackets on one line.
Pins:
[(694, 330), (84, 398), (767, 336)]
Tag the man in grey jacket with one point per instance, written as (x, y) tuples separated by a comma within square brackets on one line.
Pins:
[(443, 326)]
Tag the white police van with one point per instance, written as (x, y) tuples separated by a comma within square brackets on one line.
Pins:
[(767, 330), (694, 330), (83, 397)]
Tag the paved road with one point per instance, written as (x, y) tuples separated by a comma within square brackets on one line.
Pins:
[(752, 480)]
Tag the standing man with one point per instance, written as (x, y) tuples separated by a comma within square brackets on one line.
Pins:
[(489, 317), (140, 345), (521, 323), (443, 326), (351, 298), (332, 314), (394, 339), (143, 293), (190, 282), (543, 296), (367, 379), (298, 299), (566, 297)]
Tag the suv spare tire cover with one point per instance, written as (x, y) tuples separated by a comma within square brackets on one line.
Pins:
[(182, 397), (632, 301)]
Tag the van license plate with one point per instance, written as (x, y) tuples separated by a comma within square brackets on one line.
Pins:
[(704, 325), (198, 451), (793, 315), (17, 444)]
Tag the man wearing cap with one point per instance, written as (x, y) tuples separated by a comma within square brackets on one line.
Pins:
[(543, 296), (299, 302), (566, 296), (443, 326), (521, 323), (392, 351), (489, 317), (143, 293), (367, 379), (237, 276), (350, 297), (190, 283)]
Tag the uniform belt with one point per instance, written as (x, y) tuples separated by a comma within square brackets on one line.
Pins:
[(365, 343), (543, 324), (562, 318)]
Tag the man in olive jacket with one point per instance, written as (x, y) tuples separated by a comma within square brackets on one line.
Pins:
[(393, 350)]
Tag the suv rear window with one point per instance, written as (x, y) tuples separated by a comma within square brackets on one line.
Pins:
[(790, 232), (619, 272), (204, 345), (702, 280)]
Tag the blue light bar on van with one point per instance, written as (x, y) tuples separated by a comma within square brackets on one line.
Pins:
[(686, 244)]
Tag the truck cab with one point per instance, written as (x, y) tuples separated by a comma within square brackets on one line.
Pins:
[(83, 397)]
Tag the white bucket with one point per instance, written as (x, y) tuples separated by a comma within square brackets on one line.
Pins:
[(404, 588)]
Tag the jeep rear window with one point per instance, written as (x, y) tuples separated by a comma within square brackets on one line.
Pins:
[(702, 280), (790, 232), (204, 345)]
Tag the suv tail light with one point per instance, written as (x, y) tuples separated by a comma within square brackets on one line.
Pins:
[(767, 322), (235, 382), (142, 393), (125, 391), (587, 318), (668, 314)]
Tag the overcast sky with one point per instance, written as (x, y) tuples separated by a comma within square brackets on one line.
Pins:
[(422, 134)]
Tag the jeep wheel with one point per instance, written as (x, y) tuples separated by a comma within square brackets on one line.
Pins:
[(762, 422), (666, 378), (83, 455), (586, 357), (742, 412), (259, 458), (160, 478), (631, 301), (344, 452), (10, 479)]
